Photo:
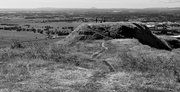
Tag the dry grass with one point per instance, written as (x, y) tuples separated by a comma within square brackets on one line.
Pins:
[(58, 68)]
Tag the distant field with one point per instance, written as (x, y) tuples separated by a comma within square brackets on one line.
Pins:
[(56, 24), (6, 37), (34, 23)]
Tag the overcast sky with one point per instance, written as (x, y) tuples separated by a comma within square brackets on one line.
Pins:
[(88, 3)]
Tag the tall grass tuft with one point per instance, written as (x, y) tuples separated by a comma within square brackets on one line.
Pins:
[(16, 44)]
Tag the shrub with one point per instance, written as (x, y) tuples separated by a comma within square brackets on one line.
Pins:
[(16, 44)]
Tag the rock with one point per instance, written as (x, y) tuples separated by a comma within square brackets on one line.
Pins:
[(115, 30)]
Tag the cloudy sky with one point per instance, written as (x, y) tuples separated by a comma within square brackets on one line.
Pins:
[(88, 3)]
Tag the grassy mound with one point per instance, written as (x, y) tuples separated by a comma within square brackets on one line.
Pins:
[(117, 30)]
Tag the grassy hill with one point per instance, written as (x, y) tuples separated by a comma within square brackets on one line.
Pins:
[(86, 66)]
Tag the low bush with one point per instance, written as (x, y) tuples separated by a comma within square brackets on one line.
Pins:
[(16, 44)]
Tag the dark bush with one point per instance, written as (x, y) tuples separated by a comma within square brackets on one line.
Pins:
[(16, 44)]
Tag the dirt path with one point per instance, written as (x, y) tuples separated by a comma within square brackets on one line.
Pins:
[(99, 53)]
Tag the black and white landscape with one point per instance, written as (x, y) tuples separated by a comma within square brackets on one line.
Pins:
[(111, 48)]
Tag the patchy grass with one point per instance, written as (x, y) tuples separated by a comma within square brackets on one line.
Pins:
[(42, 76), (138, 82), (58, 68)]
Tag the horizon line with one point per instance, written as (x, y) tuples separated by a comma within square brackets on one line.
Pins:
[(90, 8)]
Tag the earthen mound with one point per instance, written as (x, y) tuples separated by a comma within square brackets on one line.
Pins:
[(118, 30)]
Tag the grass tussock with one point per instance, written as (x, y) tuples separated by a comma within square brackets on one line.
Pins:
[(16, 44)]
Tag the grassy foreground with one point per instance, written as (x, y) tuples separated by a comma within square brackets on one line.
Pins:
[(58, 68)]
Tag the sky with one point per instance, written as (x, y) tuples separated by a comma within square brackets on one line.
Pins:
[(88, 3)]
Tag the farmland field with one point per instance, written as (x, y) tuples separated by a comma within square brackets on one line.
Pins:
[(38, 23), (56, 24), (6, 37)]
